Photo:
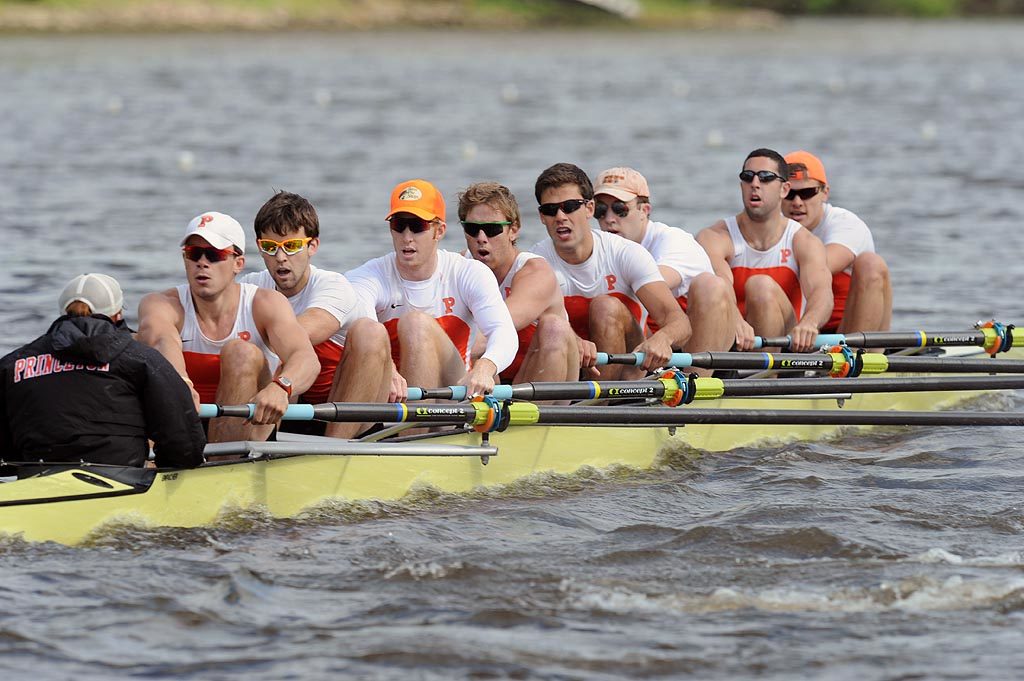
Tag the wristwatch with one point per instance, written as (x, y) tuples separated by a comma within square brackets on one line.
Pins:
[(285, 384)]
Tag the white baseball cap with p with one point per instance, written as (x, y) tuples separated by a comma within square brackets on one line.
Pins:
[(219, 230), (100, 292)]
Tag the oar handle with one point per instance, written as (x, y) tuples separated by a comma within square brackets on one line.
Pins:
[(454, 392), (680, 360), (294, 412), (785, 341)]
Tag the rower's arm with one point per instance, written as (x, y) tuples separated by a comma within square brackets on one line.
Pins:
[(534, 290), (277, 323), (331, 305), (716, 243), (672, 277), (160, 322), (674, 326), (838, 257), (815, 278)]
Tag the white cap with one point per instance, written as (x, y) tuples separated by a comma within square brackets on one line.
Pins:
[(219, 230), (101, 293)]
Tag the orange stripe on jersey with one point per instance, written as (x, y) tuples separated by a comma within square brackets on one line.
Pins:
[(652, 326), (578, 309), (454, 327), (785, 277), (525, 338), (329, 353), (840, 292), (204, 372)]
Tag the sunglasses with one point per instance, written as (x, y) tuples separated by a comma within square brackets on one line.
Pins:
[(414, 224), (763, 175), (289, 246), (804, 194), (618, 207), (569, 206), (491, 229), (194, 253)]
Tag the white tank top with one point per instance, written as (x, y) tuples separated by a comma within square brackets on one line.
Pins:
[(778, 262), (202, 354)]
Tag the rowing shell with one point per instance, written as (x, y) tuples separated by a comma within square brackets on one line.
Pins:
[(285, 478)]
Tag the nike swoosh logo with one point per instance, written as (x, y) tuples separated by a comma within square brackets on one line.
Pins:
[(394, 305)]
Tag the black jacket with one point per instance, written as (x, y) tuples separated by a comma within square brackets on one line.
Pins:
[(87, 391)]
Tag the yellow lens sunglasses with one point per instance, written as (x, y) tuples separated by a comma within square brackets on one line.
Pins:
[(289, 246)]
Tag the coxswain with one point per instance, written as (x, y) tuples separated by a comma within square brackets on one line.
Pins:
[(86, 391)]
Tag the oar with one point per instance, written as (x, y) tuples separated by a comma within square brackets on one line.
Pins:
[(982, 338), (833, 362), (500, 415), (713, 388)]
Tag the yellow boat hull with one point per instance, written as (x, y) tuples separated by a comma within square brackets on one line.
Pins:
[(69, 506)]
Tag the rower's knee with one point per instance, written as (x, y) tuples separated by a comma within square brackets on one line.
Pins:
[(870, 271), (608, 312), (553, 333), (416, 329), (368, 340), (760, 290), (709, 294), (240, 358)]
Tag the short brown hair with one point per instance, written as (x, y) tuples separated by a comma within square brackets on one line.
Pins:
[(76, 308), (284, 212), (560, 175), (492, 194)]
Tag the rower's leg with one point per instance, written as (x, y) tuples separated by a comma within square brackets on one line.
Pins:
[(613, 330), (869, 305), (553, 354), (768, 309), (429, 359), (364, 373), (712, 314), (243, 372)]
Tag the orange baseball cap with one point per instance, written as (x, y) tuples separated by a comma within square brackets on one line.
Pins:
[(418, 197), (624, 184), (803, 165)]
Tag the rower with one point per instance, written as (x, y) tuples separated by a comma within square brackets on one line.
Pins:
[(777, 268), (610, 284), (622, 205), (548, 348), (233, 343), (353, 349), (87, 391), (860, 277), (431, 301)]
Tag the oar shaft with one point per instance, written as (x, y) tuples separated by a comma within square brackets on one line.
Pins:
[(895, 339), (525, 413), (656, 416), (711, 388), (873, 362)]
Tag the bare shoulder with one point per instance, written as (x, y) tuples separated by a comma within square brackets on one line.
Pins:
[(160, 301), (716, 234)]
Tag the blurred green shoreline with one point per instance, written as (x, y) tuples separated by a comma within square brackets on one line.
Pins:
[(77, 16)]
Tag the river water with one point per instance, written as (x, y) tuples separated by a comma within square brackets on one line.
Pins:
[(891, 556)]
